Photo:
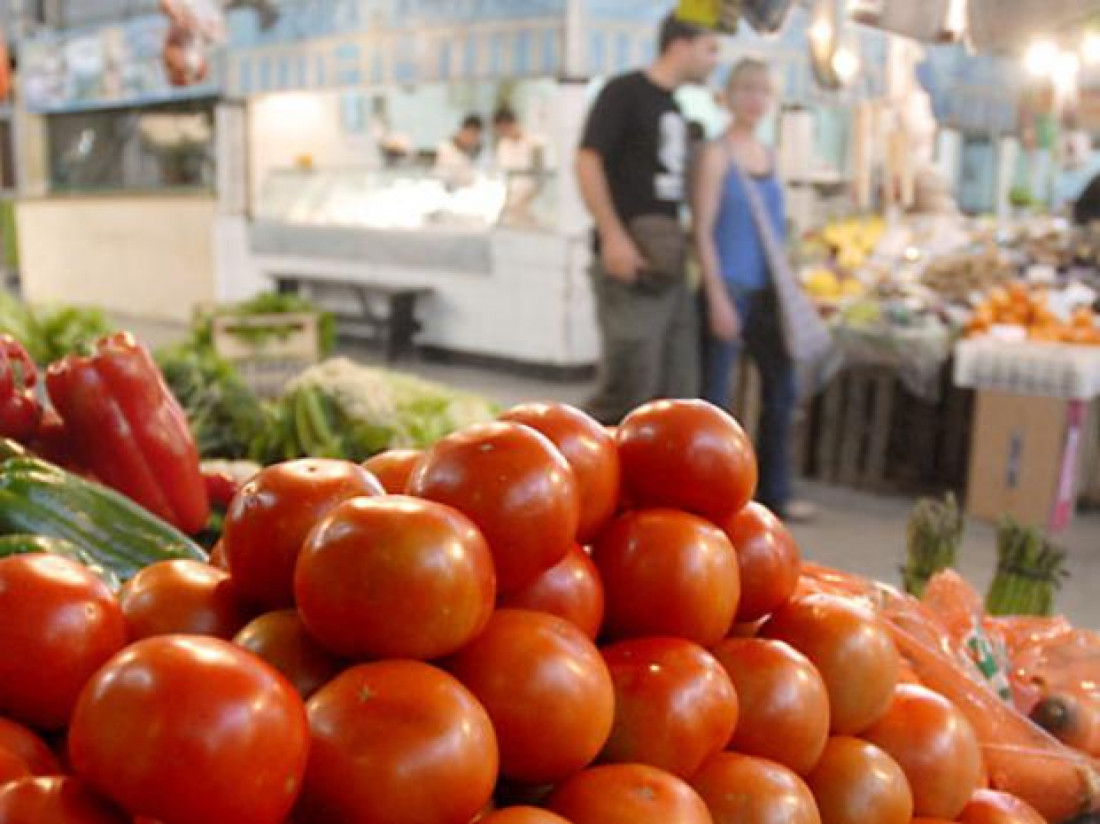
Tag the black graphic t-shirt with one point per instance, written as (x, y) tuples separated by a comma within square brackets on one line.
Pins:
[(638, 130)]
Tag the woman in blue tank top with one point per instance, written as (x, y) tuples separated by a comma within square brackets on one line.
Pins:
[(740, 300)]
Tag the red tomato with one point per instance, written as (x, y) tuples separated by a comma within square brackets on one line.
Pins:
[(281, 639), (514, 484), (182, 597), (186, 729), (768, 559), (667, 573), (394, 577), (935, 746), (55, 800), (628, 794), (571, 589), (270, 517), (784, 703), (851, 649), (686, 454), (547, 690), (522, 815), (992, 807), (589, 449), (740, 789), (393, 468), (397, 742), (857, 783), (60, 623), (674, 705), (28, 747), (12, 767)]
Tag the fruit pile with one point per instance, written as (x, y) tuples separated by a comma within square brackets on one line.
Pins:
[(1020, 306), (535, 621)]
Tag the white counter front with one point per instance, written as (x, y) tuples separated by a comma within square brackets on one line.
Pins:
[(510, 294)]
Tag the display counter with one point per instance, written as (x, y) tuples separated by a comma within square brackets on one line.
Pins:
[(145, 254), (505, 283)]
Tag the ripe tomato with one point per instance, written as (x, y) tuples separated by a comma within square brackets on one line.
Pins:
[(55, 800), (740, 789), (628, 794), (992, 807), (686, 454), (851, 649), (183, 729), (784, 703), (547, 690), (28, 747), (674, 705), (394, 577), (60, 623), (12, 767), (514, 484), (857, 783), (667, 573), (397, 742), (270, 517), (393, 467), (935, 746), (281, 639), (182, 597), (571, 589), (522, 815), (768, 559), (589, 449)]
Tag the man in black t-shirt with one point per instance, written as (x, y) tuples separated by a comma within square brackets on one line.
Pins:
[(632, 169)]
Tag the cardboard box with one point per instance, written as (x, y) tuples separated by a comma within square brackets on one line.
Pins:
[(1024, 459)]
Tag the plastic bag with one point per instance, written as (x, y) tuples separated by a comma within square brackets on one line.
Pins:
[(960, 609), (1020, 758)]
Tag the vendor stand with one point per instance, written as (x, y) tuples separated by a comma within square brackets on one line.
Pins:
[(109, 151)]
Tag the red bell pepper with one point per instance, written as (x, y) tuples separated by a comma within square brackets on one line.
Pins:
[(20, 410), (221, 488), (128, 428)]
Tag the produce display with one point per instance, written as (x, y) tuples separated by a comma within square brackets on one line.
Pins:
[(534, 619), (1029, 310)]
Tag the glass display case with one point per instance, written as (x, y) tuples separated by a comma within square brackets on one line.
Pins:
[(407, 198)]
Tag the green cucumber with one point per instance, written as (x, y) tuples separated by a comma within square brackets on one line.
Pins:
[(32, 544), (38, 498)]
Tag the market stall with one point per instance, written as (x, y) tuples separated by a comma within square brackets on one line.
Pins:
[(106, 144)]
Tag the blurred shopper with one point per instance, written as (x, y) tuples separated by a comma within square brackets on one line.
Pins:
[(632, 168), (456, 159), (736, 185)]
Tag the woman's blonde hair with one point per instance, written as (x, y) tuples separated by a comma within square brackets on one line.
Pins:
[(744, 66)]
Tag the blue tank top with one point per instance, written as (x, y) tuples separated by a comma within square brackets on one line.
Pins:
[(740, 249)]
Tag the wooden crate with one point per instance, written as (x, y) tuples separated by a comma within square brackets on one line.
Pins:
[(292, 344)]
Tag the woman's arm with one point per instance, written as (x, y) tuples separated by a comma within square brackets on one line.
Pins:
[(710, 174)]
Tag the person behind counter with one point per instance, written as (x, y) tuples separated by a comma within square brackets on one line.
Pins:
[(456, 158), (523, 157)]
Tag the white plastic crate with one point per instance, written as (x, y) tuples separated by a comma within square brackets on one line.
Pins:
[(1050, 370)]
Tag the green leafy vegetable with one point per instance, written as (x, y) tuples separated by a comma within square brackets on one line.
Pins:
[(225, 415)]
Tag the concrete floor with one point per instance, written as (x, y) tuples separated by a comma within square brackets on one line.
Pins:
[(854, 531)]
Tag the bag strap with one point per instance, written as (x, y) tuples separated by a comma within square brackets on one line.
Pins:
[(773, 248)]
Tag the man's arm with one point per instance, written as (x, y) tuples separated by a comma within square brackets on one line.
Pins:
[(619, 255)]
